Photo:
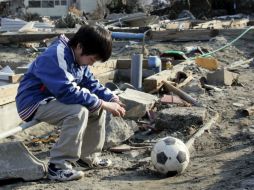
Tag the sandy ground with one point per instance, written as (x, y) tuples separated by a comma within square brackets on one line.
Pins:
[(223, 156)]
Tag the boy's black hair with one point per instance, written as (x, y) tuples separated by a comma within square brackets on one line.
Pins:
[(94, 40)]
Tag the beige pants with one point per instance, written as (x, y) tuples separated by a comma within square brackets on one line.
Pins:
[(82, 134)]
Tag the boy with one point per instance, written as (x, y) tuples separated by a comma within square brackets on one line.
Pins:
[(59, 89)]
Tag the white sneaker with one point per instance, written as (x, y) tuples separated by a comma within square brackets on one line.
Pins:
[(63, 174)]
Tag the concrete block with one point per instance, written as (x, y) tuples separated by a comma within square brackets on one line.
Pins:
[(222, 77), (17, 162), (180, 118), (137, 103)]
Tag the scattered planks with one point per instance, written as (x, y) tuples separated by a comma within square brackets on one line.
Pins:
[(220, 24), (165, 35)]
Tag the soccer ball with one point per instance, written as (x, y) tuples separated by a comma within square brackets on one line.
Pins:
[(170, 156)]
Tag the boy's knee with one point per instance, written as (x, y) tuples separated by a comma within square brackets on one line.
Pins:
[(79, 111)]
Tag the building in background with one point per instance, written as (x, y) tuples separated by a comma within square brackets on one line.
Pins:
[(58, 8)]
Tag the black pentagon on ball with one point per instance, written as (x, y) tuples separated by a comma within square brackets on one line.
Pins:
[(181, 157), (169, 141), (162, 158), (171, 173)]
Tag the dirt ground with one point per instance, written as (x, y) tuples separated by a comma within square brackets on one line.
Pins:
[(223, 156)]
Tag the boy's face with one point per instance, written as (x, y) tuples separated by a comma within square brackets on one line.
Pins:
[(83, 60)]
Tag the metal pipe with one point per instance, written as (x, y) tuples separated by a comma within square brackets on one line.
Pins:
[(126, 35), (18, 129), (136, 70)]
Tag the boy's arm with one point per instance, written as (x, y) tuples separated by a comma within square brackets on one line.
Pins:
[(60, 83), (95, 87)]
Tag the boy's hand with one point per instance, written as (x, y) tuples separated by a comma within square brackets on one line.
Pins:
[(114, 108), (121, 103)]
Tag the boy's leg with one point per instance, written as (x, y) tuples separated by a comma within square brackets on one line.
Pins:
[(73, 121), (94, 137)]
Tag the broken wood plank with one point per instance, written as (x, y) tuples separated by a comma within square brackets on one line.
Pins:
[(180, 25), (11, 78), (8, 93), (186, 81), (213, 24), (125, 147), (182, 35), (154, 82), (239, 23), (14, 37), (239, 63), (211, 87), (15, 78)]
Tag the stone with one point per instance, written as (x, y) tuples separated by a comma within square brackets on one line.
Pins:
[(118, 130), (222, 77), (17, 162), (194, 87)]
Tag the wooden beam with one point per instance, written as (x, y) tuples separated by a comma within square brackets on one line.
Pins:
[(180, 93), (8, 93), (15, 37), (183, 35), (214, 24)]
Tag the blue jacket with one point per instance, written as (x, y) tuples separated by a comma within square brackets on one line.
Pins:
[(55, 74)]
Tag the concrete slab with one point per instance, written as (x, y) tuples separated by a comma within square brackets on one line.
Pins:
[(180, 118), (17, 162), (137, 103)]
